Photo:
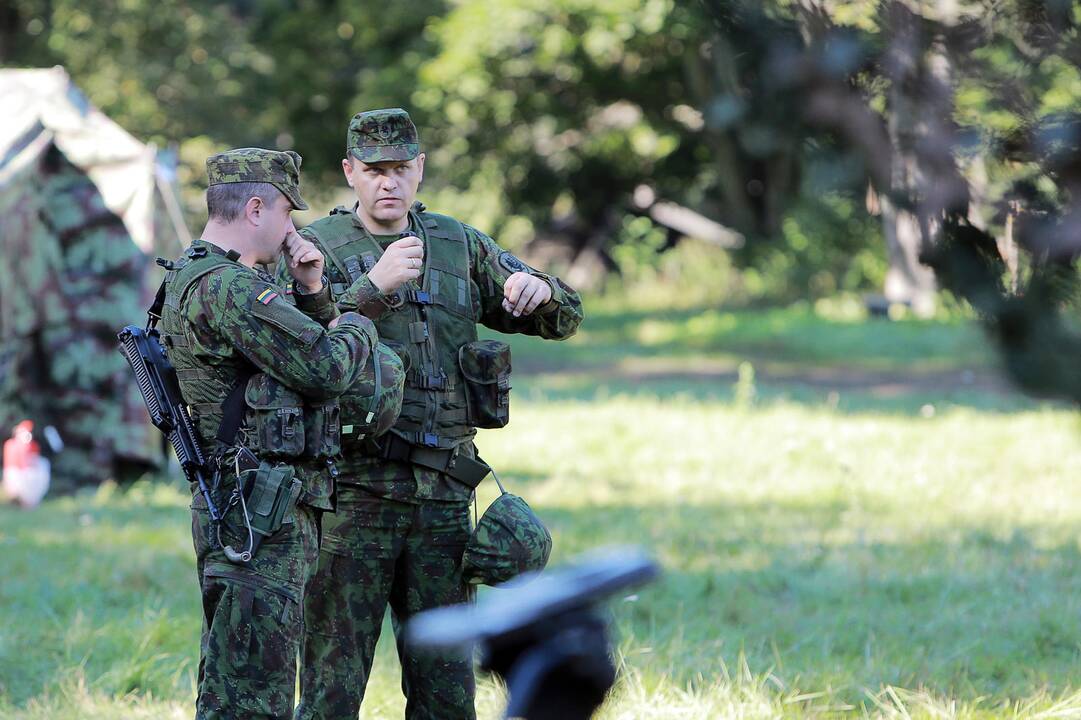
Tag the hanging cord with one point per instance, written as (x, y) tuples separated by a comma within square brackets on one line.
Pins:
[(230, 553), (502, 490)]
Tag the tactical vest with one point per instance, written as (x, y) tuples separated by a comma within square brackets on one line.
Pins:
[(202, 386), (427, 325)]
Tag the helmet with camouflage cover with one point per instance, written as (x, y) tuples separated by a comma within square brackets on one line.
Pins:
[(509, 540), (371, 405)]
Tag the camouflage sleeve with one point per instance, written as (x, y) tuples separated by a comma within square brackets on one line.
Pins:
[(318, 306), (250, 315), (362, 296), (491, 265)]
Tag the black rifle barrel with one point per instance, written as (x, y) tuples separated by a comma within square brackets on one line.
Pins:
[(157, 382)]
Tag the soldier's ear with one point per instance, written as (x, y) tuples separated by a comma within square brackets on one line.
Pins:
[(347, 169), (254, 210), (420, 165)]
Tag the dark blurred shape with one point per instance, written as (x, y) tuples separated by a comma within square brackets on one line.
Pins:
[(544, 634)]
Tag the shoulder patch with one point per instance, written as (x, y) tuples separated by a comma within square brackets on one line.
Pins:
[(266, 296), (512, 263), (285, 317)]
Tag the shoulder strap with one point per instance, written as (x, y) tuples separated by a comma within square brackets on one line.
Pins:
[(233, 408), (443, 226), (184, 277), (189, 273), (334, 234)]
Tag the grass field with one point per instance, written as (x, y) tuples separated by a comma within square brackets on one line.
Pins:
[(873, 525)]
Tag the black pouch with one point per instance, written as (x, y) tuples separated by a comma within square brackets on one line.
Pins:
[(485, 366), (277, 415), (323, 430)]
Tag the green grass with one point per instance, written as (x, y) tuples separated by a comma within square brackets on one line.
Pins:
[(910, 553)]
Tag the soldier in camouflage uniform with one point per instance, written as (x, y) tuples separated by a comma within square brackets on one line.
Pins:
[(403, 518), (72, 275), (223, 321)]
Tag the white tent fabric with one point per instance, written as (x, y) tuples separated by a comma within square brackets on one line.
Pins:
[(43, 105)]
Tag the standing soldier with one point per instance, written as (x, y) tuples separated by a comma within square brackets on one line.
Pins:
[(402, 521), (232, 337)]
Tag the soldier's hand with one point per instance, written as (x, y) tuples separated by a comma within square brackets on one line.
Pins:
[(305, 262), (402, 261), (523, 293)]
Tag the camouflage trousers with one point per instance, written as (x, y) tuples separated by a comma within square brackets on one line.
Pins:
[(252, 616), (377, 552)]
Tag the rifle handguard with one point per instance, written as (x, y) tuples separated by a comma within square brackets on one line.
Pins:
[(157, 382)]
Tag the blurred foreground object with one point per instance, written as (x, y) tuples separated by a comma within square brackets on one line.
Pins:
[(543, 634), (26, 472), (81, 206)]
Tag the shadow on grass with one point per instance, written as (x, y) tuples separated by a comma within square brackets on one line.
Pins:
[(962, 611), (847, 395), (793, 334), (798, 356)]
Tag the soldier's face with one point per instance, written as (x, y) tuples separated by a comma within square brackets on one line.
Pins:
[(385, 190), (276, 224)]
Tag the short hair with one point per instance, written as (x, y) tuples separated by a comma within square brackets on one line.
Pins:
[(225, 202)]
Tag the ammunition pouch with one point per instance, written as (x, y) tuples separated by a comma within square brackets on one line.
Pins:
[(485, 366), (271, 492), (323, 430), (276, 416)]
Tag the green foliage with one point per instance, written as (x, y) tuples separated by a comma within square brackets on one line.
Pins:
[(541, 118), (827, 245), (561, 108)]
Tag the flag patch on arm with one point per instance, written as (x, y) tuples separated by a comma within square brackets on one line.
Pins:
[(266, 296)]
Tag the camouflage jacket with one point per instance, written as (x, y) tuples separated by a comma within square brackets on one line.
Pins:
[(234, 320), (472, 294)]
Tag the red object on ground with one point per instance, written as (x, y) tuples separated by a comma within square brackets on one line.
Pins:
[(21, 450), (26, 472)]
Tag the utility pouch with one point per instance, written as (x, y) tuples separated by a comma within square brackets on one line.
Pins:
[(323, 430), (485, 366), (274, 489), (278, 417)]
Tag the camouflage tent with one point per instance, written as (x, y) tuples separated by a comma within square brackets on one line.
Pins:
[(83, 205)]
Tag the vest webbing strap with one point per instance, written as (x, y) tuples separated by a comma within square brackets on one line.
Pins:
[(233, 408)]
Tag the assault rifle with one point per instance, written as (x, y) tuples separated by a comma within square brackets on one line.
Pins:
[(161, 392)]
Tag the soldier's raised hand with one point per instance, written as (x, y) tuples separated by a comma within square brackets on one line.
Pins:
[(523, 293), (402, 261), (304, 261)]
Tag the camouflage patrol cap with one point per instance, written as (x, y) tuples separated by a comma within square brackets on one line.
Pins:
[(279, 168), (509, 540), (379, 135)]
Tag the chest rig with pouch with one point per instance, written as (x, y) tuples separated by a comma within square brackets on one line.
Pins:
[(454, 383), (219, 399)]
